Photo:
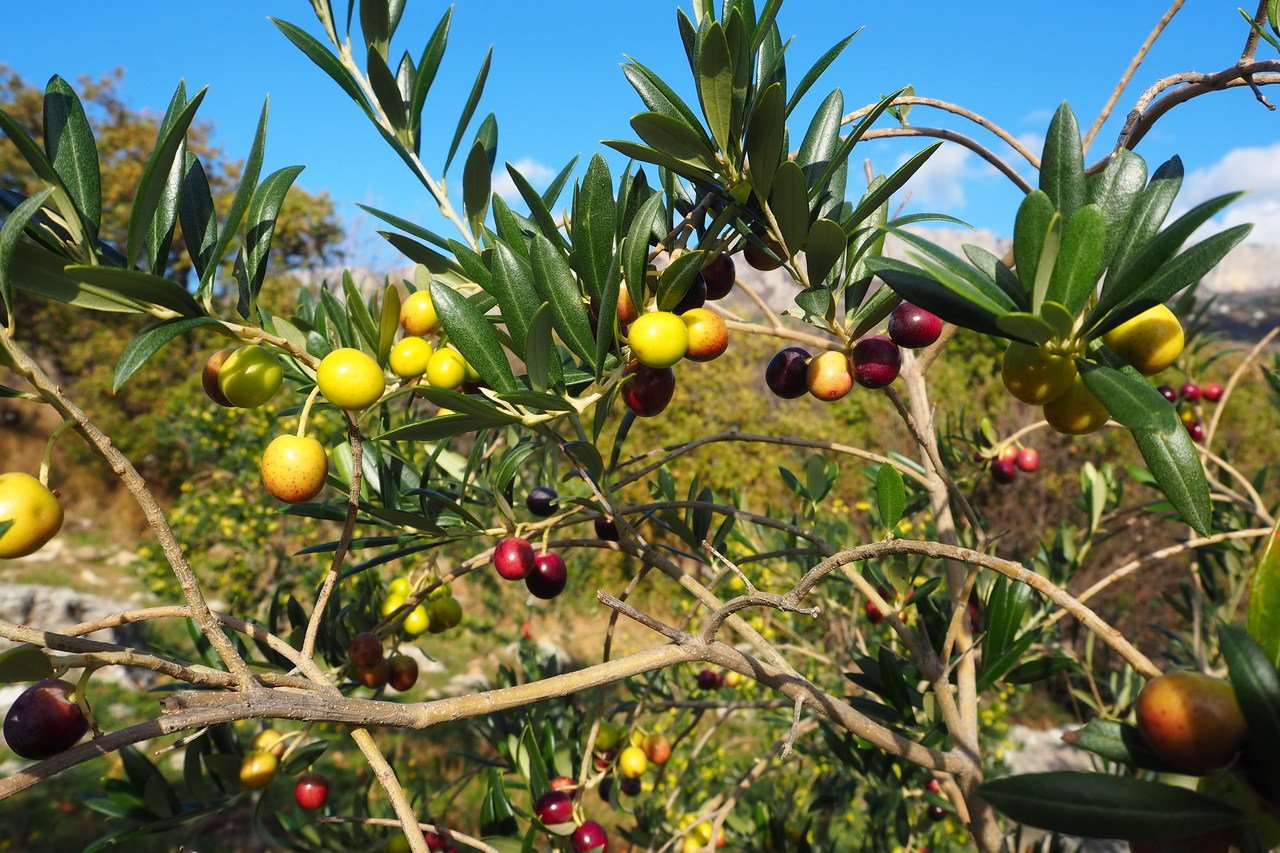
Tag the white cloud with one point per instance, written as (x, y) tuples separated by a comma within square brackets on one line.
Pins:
[(1254, 169), (940, 183), (534, 172)]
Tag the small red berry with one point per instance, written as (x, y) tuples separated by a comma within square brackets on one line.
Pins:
[(312, 791), (1212, 392), (876, 361), (1169, 392), (1003, 471), (1196, 430), (1190, 391), (874, 616), (709, 679), (1028, 459), (913, 327)]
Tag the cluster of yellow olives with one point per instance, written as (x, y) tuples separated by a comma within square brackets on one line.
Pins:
[(439, 613), (1042, 376), (413, 357)]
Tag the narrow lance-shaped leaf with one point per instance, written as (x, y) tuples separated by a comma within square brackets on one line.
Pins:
[(821, 139), (155, 176), (358, 311), (197, 215), (1050, 249), (661, 98), (375, 24), (891, 495), (325, 61), (137, 285), (387, 91), (1257, 687), (558, 287), (1172, 459), (512, 285), (823, 250), (811, 76), (471, 333), (1149, 211), (1173, 276), (674, 138), (1062, 166), (595, 221), (552, 193), (542, 359), (260, 227), (476, 187), (1076, 272), (607, 318), (956, 306), (10, 233), (239, 203), (537, 207), (635, 251), (1264, 599), (890, 186), (1031, 227), (1148, 262), (715, 85), (676, 278), (69, 142), (636, 151), (165, 218), (388, 322), (953, 270), (469, 108), (1099, 805), (766, 134), (1115, 190), (37, 270), (428, 65), (789, 201), (141, 348)]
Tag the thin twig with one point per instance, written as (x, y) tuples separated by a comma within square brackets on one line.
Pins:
[(1123, 83)]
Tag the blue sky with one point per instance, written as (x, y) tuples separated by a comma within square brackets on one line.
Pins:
[(557, 88)]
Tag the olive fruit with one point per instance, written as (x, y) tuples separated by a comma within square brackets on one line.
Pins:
[(1191, 720), (350, 379), (658, 339), (541, 501), (1035, 375), (876, 361), (645, 390), (44, 720), (294, 468), (1150, 342), (786, 373), (720, 275), (35, 513), (549, 576), (513, 558), (418, 314), (311, 791), (250, 376), (913, 327), (258, 769)]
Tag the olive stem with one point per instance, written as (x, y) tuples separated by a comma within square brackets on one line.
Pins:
[(46, 459), (306, 411)]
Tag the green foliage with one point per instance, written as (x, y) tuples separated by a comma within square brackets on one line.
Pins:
[(729, 498)]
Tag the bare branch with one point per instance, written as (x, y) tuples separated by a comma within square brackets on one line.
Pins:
[(1127, 76)]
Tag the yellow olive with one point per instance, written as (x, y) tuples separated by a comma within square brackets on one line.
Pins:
[(1150, 342)]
